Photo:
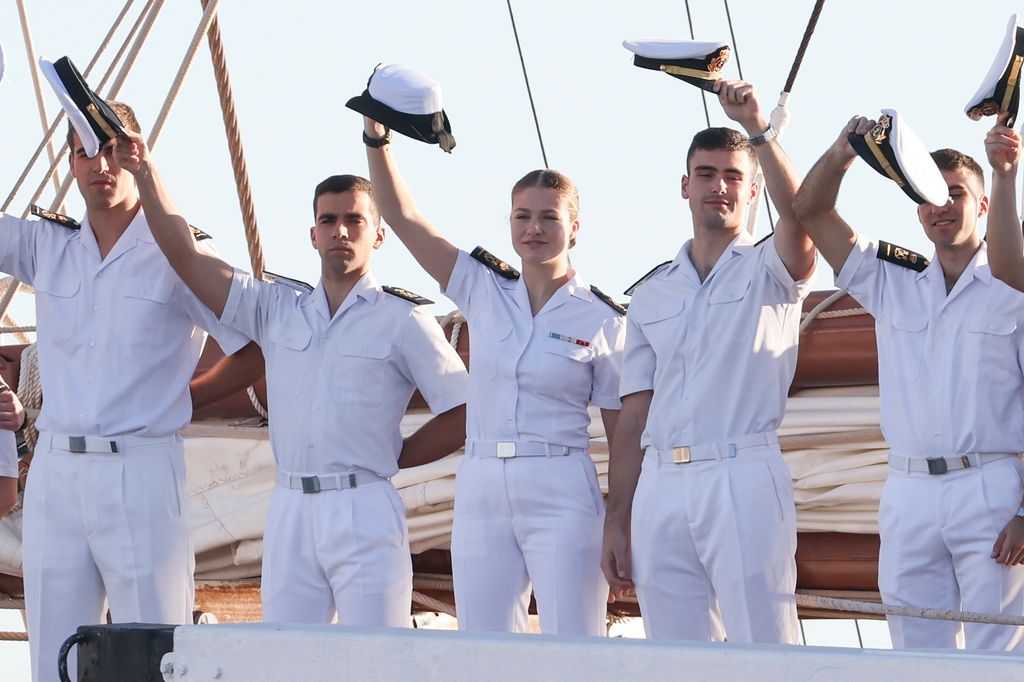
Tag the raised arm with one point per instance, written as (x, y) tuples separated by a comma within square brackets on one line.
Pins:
[(1005, 239), (741, 104), (207, 276), (815, 202), (398, 208)]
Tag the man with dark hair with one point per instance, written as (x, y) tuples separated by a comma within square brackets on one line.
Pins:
[(342, 362), (106, 513), (950, 350), (710, 353)]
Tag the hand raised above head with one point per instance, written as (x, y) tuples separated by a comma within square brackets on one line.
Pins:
[(132, 154), (858, 125), (1003, 145), (741, 104)]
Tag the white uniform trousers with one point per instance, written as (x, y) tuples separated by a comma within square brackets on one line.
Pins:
[(937, 534), (523, 520), (713, 545), (337, 551), (95, 524)]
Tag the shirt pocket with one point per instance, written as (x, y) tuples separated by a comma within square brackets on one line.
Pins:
[(487, 343), (908, 333), (662, 326), (57, 303), (730, 292), (360, 373), (994, 344), (287, 356), (144, 311), (565, 370)]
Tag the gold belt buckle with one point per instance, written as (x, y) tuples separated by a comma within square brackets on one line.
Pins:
[(681, 455), (505, 450)]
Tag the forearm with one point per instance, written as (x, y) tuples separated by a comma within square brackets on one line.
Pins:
[(815, 208), (231, 374), (441, 436), (625, 458), (8, 494), (1004, 236)]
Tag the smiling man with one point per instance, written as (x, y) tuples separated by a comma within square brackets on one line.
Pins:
[(706, 531), (342, 363), (950, 349), (106, 512)]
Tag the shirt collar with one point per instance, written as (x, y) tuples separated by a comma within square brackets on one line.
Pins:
[(739, 245), (366, 289), (977, 269)]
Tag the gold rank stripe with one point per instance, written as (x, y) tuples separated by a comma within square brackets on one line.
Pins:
[(1011, 83), (100, 121), (876, 151), (693, 73)]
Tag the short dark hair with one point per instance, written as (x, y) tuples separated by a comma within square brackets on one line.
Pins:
[(337, 184), (123, 111), (727, 139), (951, 159)]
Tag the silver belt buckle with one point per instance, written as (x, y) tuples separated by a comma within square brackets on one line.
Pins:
[(681, 455), (310, 484), (505, 450), (77, 444)]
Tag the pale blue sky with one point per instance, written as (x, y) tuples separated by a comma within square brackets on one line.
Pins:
[(619, 131)]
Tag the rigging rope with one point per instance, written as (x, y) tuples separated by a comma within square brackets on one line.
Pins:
[(703, 94), (227, 107), (526, 78), (804, 42), (36, 85)]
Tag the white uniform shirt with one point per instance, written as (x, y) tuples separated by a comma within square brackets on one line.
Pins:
[(337, 388), (8, 454), (117, 338), (719, 356), (949, 367), (532, 377)]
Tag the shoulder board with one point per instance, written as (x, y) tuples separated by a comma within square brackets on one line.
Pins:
[(67, 222), (617, 307), (651, 273), (900, 256), (199, 235), (494, 263), (295, 284), (406, 294), (764, 238)]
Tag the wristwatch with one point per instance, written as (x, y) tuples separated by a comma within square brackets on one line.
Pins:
[(770, 134), (1020, 512), (377, 142)]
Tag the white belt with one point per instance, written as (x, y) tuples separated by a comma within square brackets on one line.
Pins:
[(505, 449), (107, 444), (316, 483), (936, 466), (684, 454)]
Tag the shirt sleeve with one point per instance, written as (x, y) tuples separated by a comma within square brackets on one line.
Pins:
[(430, 362), (246, 308), (863, 276), (18, 246), (795, 291), (608, 365), (464, 282), (638, 359), (8, 454)]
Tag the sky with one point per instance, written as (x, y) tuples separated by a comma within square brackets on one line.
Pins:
[(620, 132)]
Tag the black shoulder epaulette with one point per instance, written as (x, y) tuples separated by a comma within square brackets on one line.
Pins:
[(494, 263), (200, 235), (406, 294), (650, 273), (900, 256), (67, 222), (617, 307), (295, 284)]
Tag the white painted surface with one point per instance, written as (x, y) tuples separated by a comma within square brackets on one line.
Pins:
[(267, 652)]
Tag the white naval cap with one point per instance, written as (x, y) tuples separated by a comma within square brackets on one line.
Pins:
[(407, 101), (1000, 91), (895, 151), (90, 116), (696, 62)]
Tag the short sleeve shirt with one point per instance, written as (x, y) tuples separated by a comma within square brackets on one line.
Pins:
[(533, 377), (119, 337), (719, 355), (338, 387), (950, 376)]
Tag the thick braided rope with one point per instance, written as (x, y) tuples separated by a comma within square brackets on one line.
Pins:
[(37, 86), (458, 320), (30, 392), (432, 604), (257, 405), (812, 23), (227, 107), (851, 605), (13, 636)]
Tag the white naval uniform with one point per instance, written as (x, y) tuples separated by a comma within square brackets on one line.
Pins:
[(337, 389), (951, 385), (714, 540), (532, 518), (118, 344), (8, 454)]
